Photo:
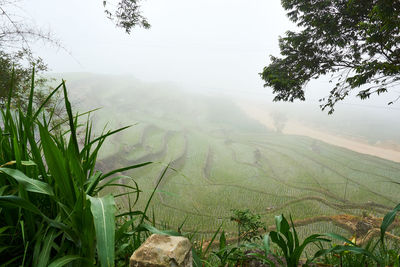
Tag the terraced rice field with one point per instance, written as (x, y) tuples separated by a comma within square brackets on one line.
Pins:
[(221, 159)]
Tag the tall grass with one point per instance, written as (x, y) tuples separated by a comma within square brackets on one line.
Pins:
[(52, 208)]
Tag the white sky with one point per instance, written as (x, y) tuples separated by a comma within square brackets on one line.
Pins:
[(209, 43)]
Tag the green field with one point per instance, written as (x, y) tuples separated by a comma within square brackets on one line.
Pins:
[(223, 160)]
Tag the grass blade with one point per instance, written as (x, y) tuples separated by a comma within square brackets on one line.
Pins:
[(125, 169)]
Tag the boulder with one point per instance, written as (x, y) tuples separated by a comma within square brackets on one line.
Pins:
[(163, 251)]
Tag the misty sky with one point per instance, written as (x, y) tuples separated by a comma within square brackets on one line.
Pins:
[(208, 44)]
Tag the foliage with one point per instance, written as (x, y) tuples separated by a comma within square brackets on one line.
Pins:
[(227, 255), (17, 67), (358, 42), (288, 241), (388, 220), (127, 15), (49, 190), (249, 224), (133, 230), (17, 60), (350, 254)]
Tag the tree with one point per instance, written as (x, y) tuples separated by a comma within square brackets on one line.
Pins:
[(127, 15), (17, 58), (357, 42)]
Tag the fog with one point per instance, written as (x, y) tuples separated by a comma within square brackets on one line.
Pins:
[(208, 46)]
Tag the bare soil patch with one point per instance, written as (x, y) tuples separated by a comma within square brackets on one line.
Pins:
[(386, 151)]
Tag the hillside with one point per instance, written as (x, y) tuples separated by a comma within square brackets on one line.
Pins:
[(222, 159)]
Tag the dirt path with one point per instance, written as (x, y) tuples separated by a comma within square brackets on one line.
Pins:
[(262, 115)]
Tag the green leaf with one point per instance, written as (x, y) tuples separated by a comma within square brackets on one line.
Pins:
[(48, 243), (92, 182), (102, 137), (279, 241), (72, 127), (28, 163), (45, 102), (388, 220), (65, 260), (266, 244), (278, 220), (152, 194), (17, 202), (352, 249), (341, 238), (103, 211), (212, 240), (311, 239), (57, 166), (197, 262), (30, 185), (296, 237), (30, 102), (123, 228), (154, 230), (222, 240), (125, 169)]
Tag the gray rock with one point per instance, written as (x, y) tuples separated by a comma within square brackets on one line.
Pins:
[(163, 251)]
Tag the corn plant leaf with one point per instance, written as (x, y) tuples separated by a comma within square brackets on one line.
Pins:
[(65, 260), (92, 182), (102, 137), (341, 238), (3, 229), (311, 239), (48, 243), (57, 165), (222, 240), (72, 126), (119, 234), (18, 202), (125, 169), (388, 220), (352, 249), (197, 261), (103, 211), (30, 184), (266, 245), (154, 230), (30, 102), (28, 163), (3, 189), (45, 102), (277, 239)]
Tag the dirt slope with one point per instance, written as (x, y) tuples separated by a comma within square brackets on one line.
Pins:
[(262, 115)]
